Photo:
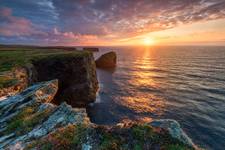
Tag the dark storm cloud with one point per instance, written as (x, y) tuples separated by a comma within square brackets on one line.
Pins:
[(74, 19)]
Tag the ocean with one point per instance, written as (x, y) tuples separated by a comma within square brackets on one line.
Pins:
[(185, 83)]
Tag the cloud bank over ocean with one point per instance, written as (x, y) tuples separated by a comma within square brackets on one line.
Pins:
[(70, 22)]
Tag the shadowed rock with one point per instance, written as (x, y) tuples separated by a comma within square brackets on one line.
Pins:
[(76, 74), (107, 60)]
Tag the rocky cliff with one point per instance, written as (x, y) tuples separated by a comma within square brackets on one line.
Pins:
[(107, 60), (29, 121), (75, 72)]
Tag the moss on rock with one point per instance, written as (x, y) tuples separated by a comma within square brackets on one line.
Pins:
[(70, 137), (26, 120), (135, 137)]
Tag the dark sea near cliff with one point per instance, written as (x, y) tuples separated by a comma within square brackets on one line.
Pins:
[(182, 83)]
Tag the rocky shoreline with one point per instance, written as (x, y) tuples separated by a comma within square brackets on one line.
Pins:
[(30, 121), (45, 111)]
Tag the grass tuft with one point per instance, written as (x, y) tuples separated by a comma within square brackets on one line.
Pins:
[(70, 137), (26, 120)]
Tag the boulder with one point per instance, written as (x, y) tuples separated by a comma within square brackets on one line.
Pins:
[(174, 129), (107, 60), (76, 74)]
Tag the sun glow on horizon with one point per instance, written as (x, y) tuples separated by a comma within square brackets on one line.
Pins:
[(148, 41)]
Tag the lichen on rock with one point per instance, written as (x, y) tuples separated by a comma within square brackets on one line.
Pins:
[(174, 129), (29, 115)]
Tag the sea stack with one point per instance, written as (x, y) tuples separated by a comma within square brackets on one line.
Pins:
[(107, 60)]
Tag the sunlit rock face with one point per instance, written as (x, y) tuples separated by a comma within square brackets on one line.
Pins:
[(30, 115), (13, 81), (76, 74), (107, 60)]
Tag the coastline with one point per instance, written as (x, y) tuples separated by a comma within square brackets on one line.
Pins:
[(166, 129)]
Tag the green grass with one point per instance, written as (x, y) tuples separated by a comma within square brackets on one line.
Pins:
[(136, 137), (26, 120), (142, 132), (12, 56), (109, 142), (67, 138)]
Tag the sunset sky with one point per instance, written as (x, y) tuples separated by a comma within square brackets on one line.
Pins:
[(112, 22)]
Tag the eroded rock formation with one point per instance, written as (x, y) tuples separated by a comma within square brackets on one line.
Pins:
[(107, 60), (77, 77)]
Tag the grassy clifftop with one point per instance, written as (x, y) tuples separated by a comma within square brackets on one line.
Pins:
[(11, 56), (14, 56)]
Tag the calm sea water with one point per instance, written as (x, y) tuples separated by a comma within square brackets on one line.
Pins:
[(182, 83)]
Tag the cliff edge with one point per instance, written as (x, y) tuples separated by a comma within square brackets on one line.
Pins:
[(75, 71), (30, 121)]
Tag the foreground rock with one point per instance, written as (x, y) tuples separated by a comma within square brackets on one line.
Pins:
[(29, 121), (174, 129), (107, 60), (14, 81), (91, 49), (29, 115)]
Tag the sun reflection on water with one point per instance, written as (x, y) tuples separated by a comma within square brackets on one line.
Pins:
[(137, 100)]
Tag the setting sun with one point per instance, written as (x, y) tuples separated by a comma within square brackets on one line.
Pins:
[(112, 74), (148, 41)]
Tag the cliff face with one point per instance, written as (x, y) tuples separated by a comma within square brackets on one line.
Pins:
[(77, 77), (76, 74), (29, 121)]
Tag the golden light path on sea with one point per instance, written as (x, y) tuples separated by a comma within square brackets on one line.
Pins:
[(139, 101)]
